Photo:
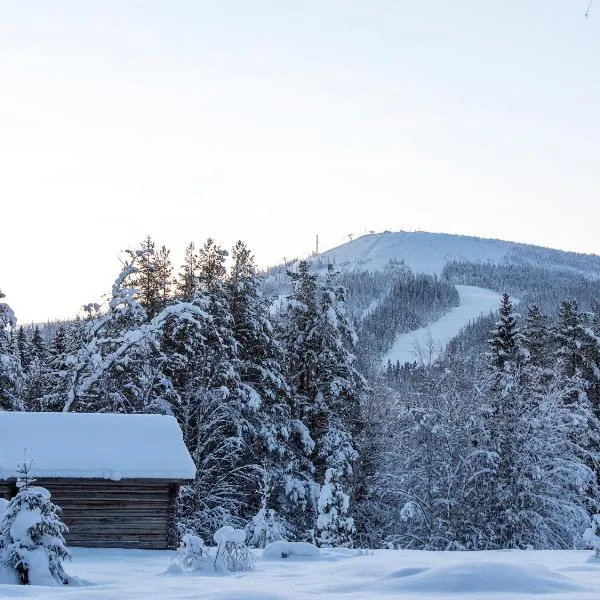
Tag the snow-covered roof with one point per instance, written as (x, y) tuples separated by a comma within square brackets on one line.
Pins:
[(103, 446)]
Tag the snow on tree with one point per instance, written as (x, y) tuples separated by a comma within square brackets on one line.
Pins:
[(117, 367), (31, 535)]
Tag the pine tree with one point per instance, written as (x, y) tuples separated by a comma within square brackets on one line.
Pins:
[(39, 347), (25, 350), (187, 281), (326, 394), (271, 440), (537, 337), (205, 369), (578, 352)]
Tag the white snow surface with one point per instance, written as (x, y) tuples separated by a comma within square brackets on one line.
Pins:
[(104, 446), (474, 301), (339, 574)]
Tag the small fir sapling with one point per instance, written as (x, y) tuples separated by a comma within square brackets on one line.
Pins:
[(31, 534)]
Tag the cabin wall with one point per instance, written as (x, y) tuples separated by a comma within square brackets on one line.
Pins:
[(7, 490), (114, 514)]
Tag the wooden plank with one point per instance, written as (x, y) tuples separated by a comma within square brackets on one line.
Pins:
[(108, 512), (132, 543), (132, 482), (110, 498), (116, 537)]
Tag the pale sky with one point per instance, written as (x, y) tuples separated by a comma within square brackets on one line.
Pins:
[(272, 121)]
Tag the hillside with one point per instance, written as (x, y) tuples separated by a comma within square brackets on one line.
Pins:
[(425, 252)]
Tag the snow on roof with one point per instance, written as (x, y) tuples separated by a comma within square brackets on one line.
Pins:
[(103, 446)]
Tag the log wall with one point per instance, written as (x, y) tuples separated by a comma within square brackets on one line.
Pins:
[(115, 514)]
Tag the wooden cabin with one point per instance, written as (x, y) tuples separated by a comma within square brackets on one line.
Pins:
[(116, 477)]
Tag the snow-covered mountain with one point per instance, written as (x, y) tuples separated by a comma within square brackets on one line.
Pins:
[(426, 252), (390, 305)]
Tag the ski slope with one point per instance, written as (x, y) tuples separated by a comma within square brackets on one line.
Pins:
[(427, 343), (339, 574)]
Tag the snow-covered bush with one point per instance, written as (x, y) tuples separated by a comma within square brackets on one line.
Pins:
[(232, 554), (192, 554), (291, 550), (592, 535), (31, 538), (264, 528)]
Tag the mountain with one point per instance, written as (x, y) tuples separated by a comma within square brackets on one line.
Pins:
[(412, 292), (425, 252)]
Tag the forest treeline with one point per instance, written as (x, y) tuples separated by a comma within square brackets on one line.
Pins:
[(296, 430)]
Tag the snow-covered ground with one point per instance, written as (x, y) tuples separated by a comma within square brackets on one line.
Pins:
[(474, 301), (338, 574)]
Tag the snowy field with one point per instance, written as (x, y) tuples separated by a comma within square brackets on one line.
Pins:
[(337, 574), (474, 301)]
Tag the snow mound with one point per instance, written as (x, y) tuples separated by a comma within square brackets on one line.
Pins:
[(291, 550), (8, 576), (481, 577)]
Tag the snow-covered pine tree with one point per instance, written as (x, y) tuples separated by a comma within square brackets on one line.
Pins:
[(337, 410), (25, 350), (152, 278), (301, 352), (31, 534), (578, 352), (11, 373), (212, 406), (537, 338), (326, 391), (270, 440)]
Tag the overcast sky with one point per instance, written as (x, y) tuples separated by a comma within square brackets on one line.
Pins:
[(272, 121)]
